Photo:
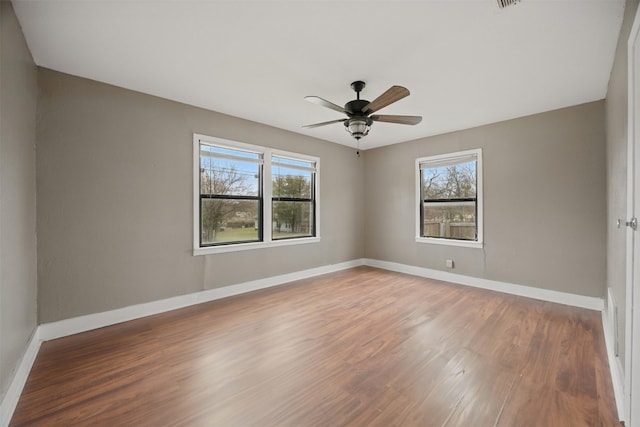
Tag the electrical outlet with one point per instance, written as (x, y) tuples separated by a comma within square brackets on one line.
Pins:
[(449, 263)]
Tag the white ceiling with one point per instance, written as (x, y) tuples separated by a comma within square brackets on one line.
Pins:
[(466, 63)]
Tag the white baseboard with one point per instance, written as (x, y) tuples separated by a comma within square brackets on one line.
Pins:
[(617, 377), (10, 399), (591, 303), (62, 328), (66, 327)]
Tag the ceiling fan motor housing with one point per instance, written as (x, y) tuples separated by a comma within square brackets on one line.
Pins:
[(354, 108)]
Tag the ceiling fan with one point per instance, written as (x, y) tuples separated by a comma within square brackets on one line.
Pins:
[(359, 118)]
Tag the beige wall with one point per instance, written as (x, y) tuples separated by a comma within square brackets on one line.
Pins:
[(17, 195), (115, 220), (616, 119), (115, 210), (544, 204)]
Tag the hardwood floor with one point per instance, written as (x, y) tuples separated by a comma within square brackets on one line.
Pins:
[(362, 347)]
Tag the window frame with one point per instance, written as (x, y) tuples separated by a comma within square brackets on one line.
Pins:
[(311, 199), (265, 203), (443, 158), (259, 197)]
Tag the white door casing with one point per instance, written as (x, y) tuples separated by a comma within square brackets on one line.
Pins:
[(632, 323)]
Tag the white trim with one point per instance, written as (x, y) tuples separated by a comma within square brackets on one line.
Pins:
[(617, 376), (227, 144), (53, 330), (10, 399), (449, 159), (290, 155), (449, 242), (62, 328), (257, 245), (258, 160), (591, 303), (632, 300), (196, 191)]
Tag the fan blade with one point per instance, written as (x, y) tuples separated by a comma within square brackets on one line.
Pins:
[(403, 120), (323, 123), (325, 103), (393, 94)]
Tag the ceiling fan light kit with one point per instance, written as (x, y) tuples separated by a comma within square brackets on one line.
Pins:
[(358, 111), (358, 126)]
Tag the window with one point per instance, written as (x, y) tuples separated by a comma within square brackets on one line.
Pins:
[(450, 199), (293, 191), (230, 195), (247, 196)]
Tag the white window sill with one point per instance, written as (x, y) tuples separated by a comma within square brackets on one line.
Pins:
[(249, 246), (449, 242)]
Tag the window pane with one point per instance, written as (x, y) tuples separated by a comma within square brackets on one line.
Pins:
[(225, 221), (292, 219), (450, 182), (291, 183), (450, 220), (224, 176)]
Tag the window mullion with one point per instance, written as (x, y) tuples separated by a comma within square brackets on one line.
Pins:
[(313, 203), (291, 199), (460, 200), (267, 201), (228, 197)]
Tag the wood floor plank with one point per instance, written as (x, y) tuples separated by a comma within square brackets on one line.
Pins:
[(361, 347)]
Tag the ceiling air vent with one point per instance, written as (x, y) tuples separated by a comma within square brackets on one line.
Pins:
[(505, 3)]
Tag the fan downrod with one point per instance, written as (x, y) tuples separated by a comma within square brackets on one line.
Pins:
[(357, 86)]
